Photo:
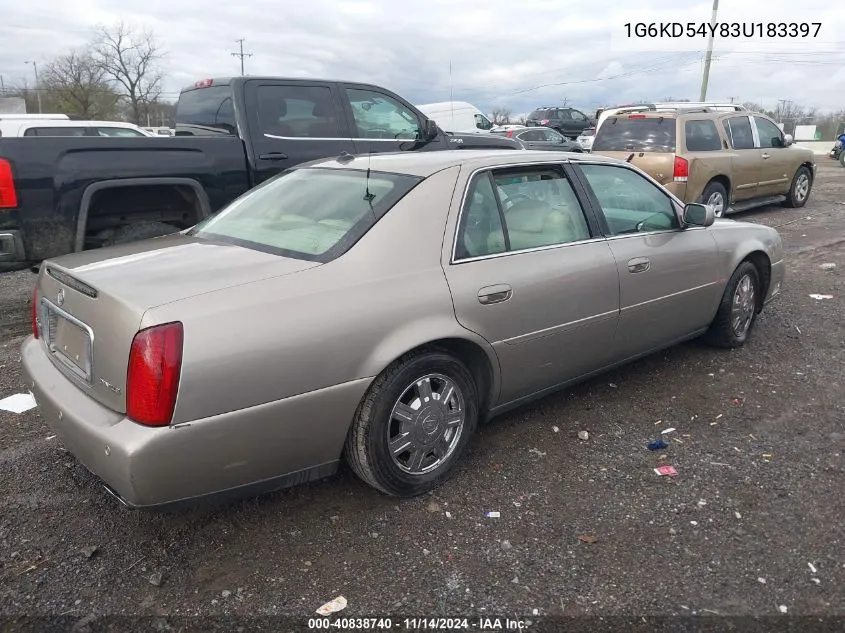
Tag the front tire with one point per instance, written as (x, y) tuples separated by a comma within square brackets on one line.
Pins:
[(716, 196), (414, 424), (738, 309), (799, 191)]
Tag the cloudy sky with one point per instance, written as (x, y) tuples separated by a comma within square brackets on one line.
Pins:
[(509, 54)]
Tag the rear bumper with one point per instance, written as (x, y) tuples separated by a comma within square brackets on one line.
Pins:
[(776, 282), (678, 189), (258, 449)]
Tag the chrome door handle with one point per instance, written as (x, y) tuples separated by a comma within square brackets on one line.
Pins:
[(639, 264), (764, 156), (494, 294)]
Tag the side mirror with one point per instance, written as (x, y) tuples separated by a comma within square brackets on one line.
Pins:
[(788, 140), (430, 130), (699, 215)]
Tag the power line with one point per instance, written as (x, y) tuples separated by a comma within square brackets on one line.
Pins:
[(241, 54)]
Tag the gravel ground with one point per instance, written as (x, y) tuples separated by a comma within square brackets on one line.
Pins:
[(752, 524)]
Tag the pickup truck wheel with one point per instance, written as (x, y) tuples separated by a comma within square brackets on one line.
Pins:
[(414, 424), (799, 191), (716, 196), (738, 309), (141, 231)]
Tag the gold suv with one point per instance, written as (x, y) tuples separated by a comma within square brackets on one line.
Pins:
[(730, 160)]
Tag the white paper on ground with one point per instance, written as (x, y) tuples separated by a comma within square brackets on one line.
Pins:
[(18, 403)]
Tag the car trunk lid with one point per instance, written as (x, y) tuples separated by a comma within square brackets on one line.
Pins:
[(90, 304)]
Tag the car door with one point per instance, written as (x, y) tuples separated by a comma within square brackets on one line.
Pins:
[(530, 273), (668, 276), (292, 122), (777, 165), (580, 122), (531, 139), (381, 122), (745, 161)]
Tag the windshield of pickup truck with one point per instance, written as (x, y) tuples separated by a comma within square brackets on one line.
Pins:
[(206, 112), (636, 133), (310, 213)]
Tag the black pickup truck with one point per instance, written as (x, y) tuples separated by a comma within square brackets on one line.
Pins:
[(64, 194)]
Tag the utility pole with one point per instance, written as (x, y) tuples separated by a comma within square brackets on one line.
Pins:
[(706, 77), (37, 85), (732, 99), (781, 109), (241, 54)]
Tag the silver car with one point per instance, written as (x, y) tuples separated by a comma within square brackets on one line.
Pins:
[(375, 309)]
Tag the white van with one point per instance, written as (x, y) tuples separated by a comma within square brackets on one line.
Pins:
[(457, 117), (15, 127)]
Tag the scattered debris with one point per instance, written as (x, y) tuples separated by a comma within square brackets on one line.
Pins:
[(812, 567), (767, 455), (448, 514), (426, 552), (657, 445), (89, 550), (782, 608), (225, 593), (612, 385), (493, 514), (719, 416), (555, 429), (672, 530), (583, 435), (333, 606), (433, 507), (719, 464), (18, 403), (50, 437), (506, 545), (797, 329), (515, 580), (156, 579), (587, 538), (737, 402), (737, 515), (701, 503), (737, 450), (537, 452), (693, 523), (671, 429), (666, 470), (828, 266), (820, 297), (816, 580), (762, 581), (374, 534)]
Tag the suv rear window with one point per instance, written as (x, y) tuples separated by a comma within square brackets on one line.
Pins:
[(541, 114), (206, 112), (310, 213), (646, 134)]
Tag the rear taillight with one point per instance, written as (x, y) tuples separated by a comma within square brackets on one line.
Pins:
[(152, 381), (544, 122), (205, 83), (681, 171), (510, 133), (35, 311), (636, 116), (8, 193)]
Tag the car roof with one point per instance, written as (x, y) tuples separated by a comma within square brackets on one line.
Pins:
[(425, 164)]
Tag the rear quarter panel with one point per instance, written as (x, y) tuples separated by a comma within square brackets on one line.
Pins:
[(737, 240), (704, 167)]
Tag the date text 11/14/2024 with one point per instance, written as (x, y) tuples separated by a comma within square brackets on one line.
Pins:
[(419, 624)]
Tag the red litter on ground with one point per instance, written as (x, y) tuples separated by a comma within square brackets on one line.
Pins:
[(666, 470)]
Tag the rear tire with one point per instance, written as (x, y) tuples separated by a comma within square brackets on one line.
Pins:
[(140, 231), (799, 190), (716, 195), (737, 310), (406, 438)]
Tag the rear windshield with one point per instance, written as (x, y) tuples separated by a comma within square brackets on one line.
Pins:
[(310, 213), (541, 114), (206, 112), (648, 134)]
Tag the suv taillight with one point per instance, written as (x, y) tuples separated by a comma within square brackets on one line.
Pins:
[(35, 311), (152, 380), (8, 193), (681, 172), (544, 122)]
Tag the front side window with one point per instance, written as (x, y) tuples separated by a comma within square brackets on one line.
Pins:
[(530, 136), (482, 122), (630, 203), (313, 214), (297, 111), (578, 116), (702, 136), (551, 136), (381, 117), (738, 128), (518, 209), (769, 133)]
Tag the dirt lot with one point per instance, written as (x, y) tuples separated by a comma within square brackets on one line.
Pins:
[(752, 524)]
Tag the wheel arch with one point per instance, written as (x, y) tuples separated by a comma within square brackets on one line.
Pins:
[(763, 264), (723, 180)]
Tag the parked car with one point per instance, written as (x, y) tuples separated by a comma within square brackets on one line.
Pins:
[(457, 117), (541, 138), (586, 139), (62, 195), (733, 161), (358, 308), (58, 127), (568, 121), (602, 114)]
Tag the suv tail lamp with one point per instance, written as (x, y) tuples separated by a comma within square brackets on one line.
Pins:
[(510, 134), (544, 122), (152, 381), (35, 311), (8, 193), (205, 83), (681, 171)]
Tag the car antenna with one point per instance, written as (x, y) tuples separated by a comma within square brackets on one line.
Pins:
[(628, 160), (368, 195)]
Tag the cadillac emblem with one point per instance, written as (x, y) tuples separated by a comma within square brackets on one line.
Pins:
[(60, 298)]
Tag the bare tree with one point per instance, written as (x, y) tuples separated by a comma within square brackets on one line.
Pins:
[(501, 116), (130, 58), (78, 85)]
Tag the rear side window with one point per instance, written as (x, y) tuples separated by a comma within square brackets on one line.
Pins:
[(206, 112), (297, 111), (56, 131), (540, 114), (636, 133), (702, 136), (738, 129), (313, 214)]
